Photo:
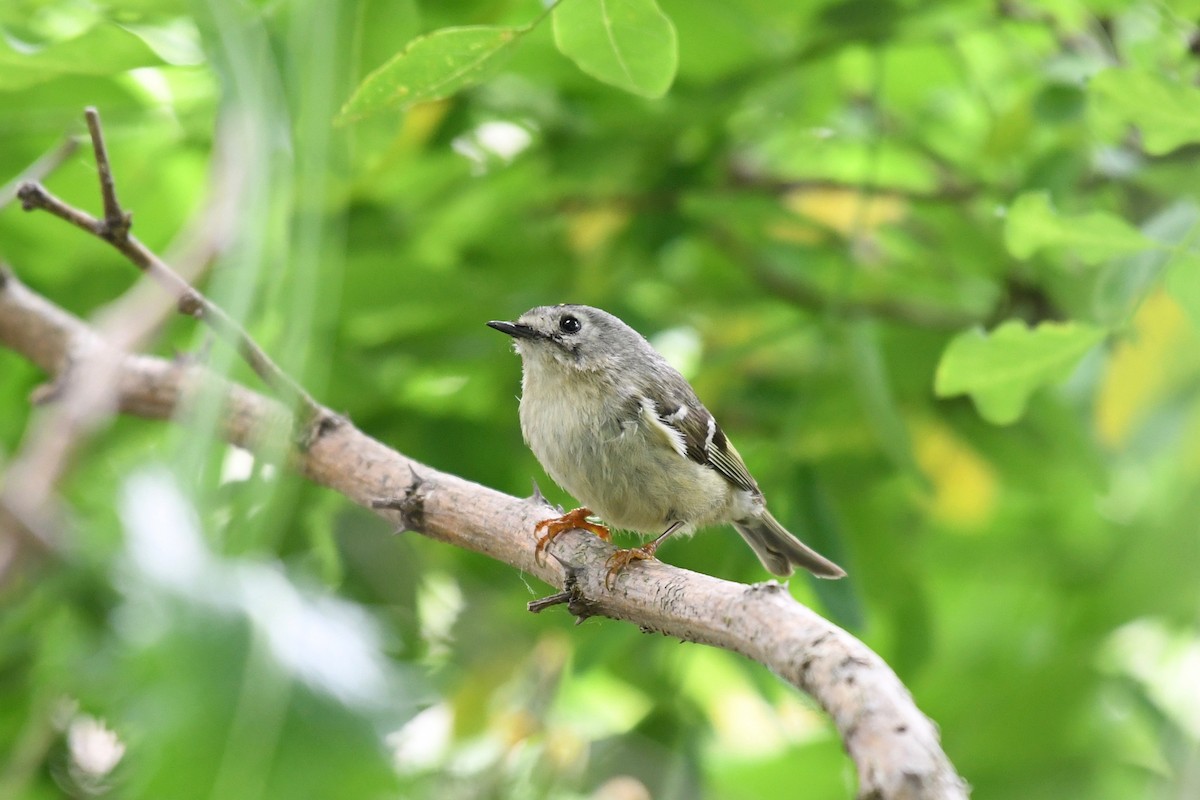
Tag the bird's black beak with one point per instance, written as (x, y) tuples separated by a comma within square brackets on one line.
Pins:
[(515, 329)]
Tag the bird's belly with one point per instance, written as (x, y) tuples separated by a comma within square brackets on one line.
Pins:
[(631, 481)]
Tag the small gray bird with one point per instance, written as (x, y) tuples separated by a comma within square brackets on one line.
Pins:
[(620, 429)]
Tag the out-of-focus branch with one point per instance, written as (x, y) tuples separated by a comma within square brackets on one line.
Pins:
[(804, 295), (25, 529), (84, 395), (114, 229), (894, 746), (116, 221)]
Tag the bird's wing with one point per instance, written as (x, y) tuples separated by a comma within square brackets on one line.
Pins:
[(693, 433)]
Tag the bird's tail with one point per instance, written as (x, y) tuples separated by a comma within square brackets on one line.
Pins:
[(779, 551)]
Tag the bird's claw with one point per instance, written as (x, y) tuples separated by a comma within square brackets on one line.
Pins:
[(578, 518), (621, 559)]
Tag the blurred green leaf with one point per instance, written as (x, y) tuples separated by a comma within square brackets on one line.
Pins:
[(102, 50), (875, 393), (220, 716), (1183, 283), (1034, 224), (630, 44), (820, 527), (1122, 284), (1166, 111), (1002, 369), (432, 67)]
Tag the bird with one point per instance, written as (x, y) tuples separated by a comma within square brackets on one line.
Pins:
[(622, 431)]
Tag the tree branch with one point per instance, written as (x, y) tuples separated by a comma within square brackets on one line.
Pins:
[(114, 229), (84, 394), (894, 746), (116, 221)]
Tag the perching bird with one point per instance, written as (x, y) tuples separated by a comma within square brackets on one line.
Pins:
[(620, 429)]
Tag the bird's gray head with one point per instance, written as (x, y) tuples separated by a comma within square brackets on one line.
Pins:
[(575, 337)]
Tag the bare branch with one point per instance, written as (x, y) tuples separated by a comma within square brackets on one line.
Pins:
[(114, 229), (894, 746), (116, 221), (82, 398), (542, 603)]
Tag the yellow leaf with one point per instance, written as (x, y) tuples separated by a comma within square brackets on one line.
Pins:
[(796, 232), (588, 231), (965, 486), (1146, 366), (421, 123), (847, 211)]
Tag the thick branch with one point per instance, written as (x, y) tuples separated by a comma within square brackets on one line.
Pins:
[(894, 746)]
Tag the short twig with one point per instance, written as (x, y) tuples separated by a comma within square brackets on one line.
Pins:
[(571, 596), (541, 604), (116, 221), (114, 229)]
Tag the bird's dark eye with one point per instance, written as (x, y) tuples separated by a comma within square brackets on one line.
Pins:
[(569, 324)]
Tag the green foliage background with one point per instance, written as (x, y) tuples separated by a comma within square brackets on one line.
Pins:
[(934, 266)]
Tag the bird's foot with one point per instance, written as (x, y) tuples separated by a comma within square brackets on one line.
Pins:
[(621, 559), (571, 520)]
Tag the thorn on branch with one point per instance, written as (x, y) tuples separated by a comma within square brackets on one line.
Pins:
[(411, 506), (539, 499), (571, 596)]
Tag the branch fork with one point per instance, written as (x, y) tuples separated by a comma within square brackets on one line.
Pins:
[(114, 228)]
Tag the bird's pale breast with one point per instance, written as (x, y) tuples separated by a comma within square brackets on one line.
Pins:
[(617, 466)]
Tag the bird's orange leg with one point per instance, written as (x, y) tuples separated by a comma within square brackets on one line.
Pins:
[(623, 558), (568, 521)]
